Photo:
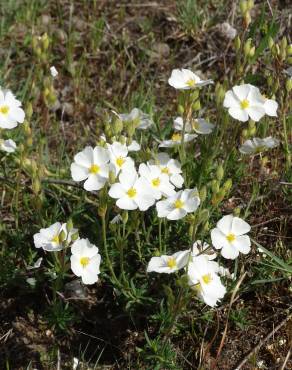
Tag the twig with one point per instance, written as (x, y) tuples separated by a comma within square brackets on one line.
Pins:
[(286, 359), (286, 183), (227, 320), (259, 345), (270, 8), (62, 182)]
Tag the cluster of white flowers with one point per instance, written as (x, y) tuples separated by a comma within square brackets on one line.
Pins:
[(85, 259), (134, 189), (159, 182), (202, 271), (11, 114)]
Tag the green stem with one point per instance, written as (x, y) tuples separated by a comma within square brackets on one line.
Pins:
[(159, 234), (287, 150), (108, 261)]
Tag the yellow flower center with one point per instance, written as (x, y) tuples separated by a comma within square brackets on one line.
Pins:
[(56, 239), (195, 124), (260, 149), (4, 109), (165, 170), (230, 237), (244, 104), (94, 169), (191, 82), (178, 204), (176, 137), (156, 182), (84, 261), (171, 263), (131, 192), (120, 161), (207, 278)]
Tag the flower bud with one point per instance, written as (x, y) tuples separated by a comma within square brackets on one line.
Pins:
[(62, 236), (270, 42), (21, 148), (69, 225), (74, 236), (247, 47), (195, 94), (45, 41), (125, 217), (288, 84), (264, 161), (252, 131), (203, 194), (289, 50), (243, 6), (252, 52), (220, 93), (244, 134), (215, 186), (29, 141), (36, 186), (34, 42), (180, 109), (219, 172), (111, 177), (206, 226), (247, 19), (250, 4), (102, 210), (236, 211), (270, 80), (227, 185), (196, 105), (38, 51), (203, 216), (237, 43), (29, 110), (117, 126)]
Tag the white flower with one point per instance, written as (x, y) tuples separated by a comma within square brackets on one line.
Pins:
[(257, 145), (132, 192), (158, 181), (178, 205), (202, 247), (49, 238), (229, 235), (270, 107), (184, 79), (203, 278), (91, 165), (118, 157), (10, 110), (199, 125), (244, 102), (85, 261), (8, 146), (134, 146), (54, 72), (169, 264), (142, 120), (170, 167), (176, 140)]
